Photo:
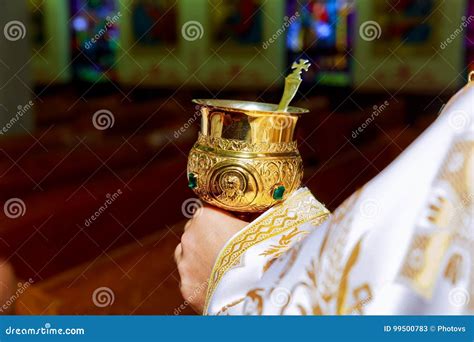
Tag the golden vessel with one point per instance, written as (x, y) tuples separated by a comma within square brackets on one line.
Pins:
[(245, 158)]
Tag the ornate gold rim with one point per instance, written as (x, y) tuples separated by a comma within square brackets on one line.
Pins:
[(249, 107)]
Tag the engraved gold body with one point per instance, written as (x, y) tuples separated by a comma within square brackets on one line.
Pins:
[(245, 158)]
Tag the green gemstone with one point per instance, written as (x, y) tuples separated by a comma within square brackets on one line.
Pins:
[(192, 180), (278, 193)]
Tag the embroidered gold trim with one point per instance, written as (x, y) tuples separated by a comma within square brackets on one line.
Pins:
[(299, 209)]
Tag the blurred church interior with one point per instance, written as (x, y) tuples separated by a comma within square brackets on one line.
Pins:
[(95, 106)]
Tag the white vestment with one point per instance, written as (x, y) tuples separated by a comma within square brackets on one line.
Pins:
[(403, 244)]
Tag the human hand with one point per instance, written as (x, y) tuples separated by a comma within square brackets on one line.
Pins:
[(203, 238)]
